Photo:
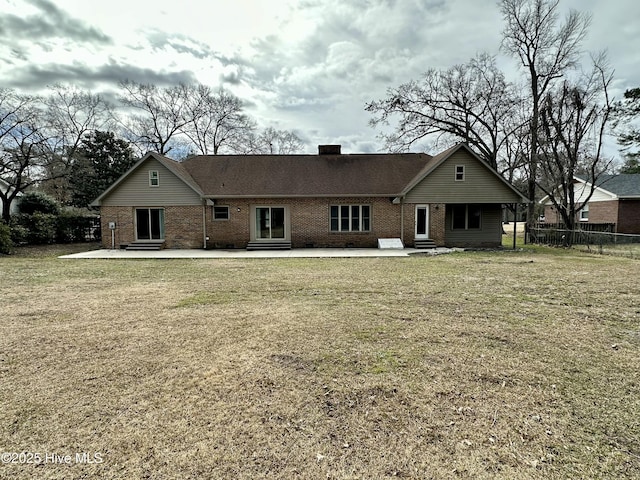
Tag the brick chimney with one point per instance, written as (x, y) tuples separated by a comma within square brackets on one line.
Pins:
[(329, 149)]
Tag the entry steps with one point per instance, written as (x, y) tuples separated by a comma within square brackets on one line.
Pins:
[(145, 246), (427, 243), (275, 245)]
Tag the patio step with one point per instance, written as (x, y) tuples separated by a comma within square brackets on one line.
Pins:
[(275, 245), (427, 243), (145, 246)]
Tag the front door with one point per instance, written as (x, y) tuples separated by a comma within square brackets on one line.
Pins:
[(271, 223), (422, 222), (149, 224)]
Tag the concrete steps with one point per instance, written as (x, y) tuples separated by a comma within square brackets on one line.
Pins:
[(427, 243), (145, 246), (273, 245)]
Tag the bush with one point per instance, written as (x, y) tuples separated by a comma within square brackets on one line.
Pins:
[(74, 225), (33, 202), (5, 239), (40, 227)]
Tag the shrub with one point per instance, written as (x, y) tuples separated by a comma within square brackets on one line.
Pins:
[(5, 239), (40, 227), (74, 225), (33, 202)]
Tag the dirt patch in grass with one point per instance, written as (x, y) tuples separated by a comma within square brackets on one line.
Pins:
[(471, 365)]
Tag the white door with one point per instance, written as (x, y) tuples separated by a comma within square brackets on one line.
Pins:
[(422, 222)]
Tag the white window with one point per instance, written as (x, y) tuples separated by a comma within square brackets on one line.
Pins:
[(220, 213), (154, 178), (584, 213), (459, 173), (350, 218)]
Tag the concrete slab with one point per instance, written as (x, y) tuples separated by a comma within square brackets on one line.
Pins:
[(293, 253)]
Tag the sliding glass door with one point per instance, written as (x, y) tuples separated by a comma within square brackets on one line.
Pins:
[(149, 224), (270, 223)]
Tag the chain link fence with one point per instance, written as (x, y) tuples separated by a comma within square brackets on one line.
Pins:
[(592, 241)]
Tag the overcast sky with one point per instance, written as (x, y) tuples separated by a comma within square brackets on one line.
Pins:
[(304, 65)]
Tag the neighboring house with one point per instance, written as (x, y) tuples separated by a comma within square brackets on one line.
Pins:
[(615, 200), (4, 187), (324, 200)]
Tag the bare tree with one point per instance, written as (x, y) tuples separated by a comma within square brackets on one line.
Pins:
[(158, 114), (574, 118), (24, 146), (70, 114), (471, 102), (276, 142), (546, 51), (217, 122)]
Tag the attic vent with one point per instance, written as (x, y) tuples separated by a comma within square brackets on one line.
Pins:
[(329, 149)]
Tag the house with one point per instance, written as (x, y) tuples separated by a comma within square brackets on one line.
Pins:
[(615, 201), (6, 188), (324, 200)]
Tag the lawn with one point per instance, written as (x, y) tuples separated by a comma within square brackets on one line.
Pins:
[(505, 364)]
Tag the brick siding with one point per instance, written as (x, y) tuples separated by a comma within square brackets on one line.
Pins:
[(629, 216), (183, 226), (309, 223)]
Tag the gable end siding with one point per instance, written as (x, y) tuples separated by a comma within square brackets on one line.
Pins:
[(135, 190), (479, 186)]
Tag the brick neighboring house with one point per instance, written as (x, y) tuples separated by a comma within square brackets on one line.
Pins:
[(324, 200), (615, 200)]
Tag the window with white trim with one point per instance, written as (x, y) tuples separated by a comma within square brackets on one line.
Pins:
[(154, 178), (459, 173), (220, 212), (350, 218), (584, 213)]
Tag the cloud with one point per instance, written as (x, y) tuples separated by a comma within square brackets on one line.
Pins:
[(37, 77), (180, 43), (50, 22)]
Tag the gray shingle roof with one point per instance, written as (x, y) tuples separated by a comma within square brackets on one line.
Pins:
[(305, 175), (623, 185)]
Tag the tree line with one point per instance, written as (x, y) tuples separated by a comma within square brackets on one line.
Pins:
[(538, 131), (72, 144)]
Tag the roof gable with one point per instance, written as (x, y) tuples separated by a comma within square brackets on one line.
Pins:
[(172, 166), (482, 184), (608, 187)]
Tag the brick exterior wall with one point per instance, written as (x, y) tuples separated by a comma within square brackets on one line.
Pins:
[(437, 212), (603, 212), (183, 226), (309, 223), (629, 216)]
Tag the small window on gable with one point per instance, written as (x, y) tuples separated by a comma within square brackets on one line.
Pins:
[(154, 178), (220, 213), (459, 173)]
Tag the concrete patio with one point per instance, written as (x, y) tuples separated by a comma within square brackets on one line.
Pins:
[(293, 253)]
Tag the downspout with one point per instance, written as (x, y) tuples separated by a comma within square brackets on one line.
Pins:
[(402, 220), (204, 223), (515, 223)]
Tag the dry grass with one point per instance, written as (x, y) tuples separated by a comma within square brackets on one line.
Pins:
[(477, 365)]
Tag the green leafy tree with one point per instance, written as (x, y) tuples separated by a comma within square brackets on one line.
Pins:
[(100, 160)]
